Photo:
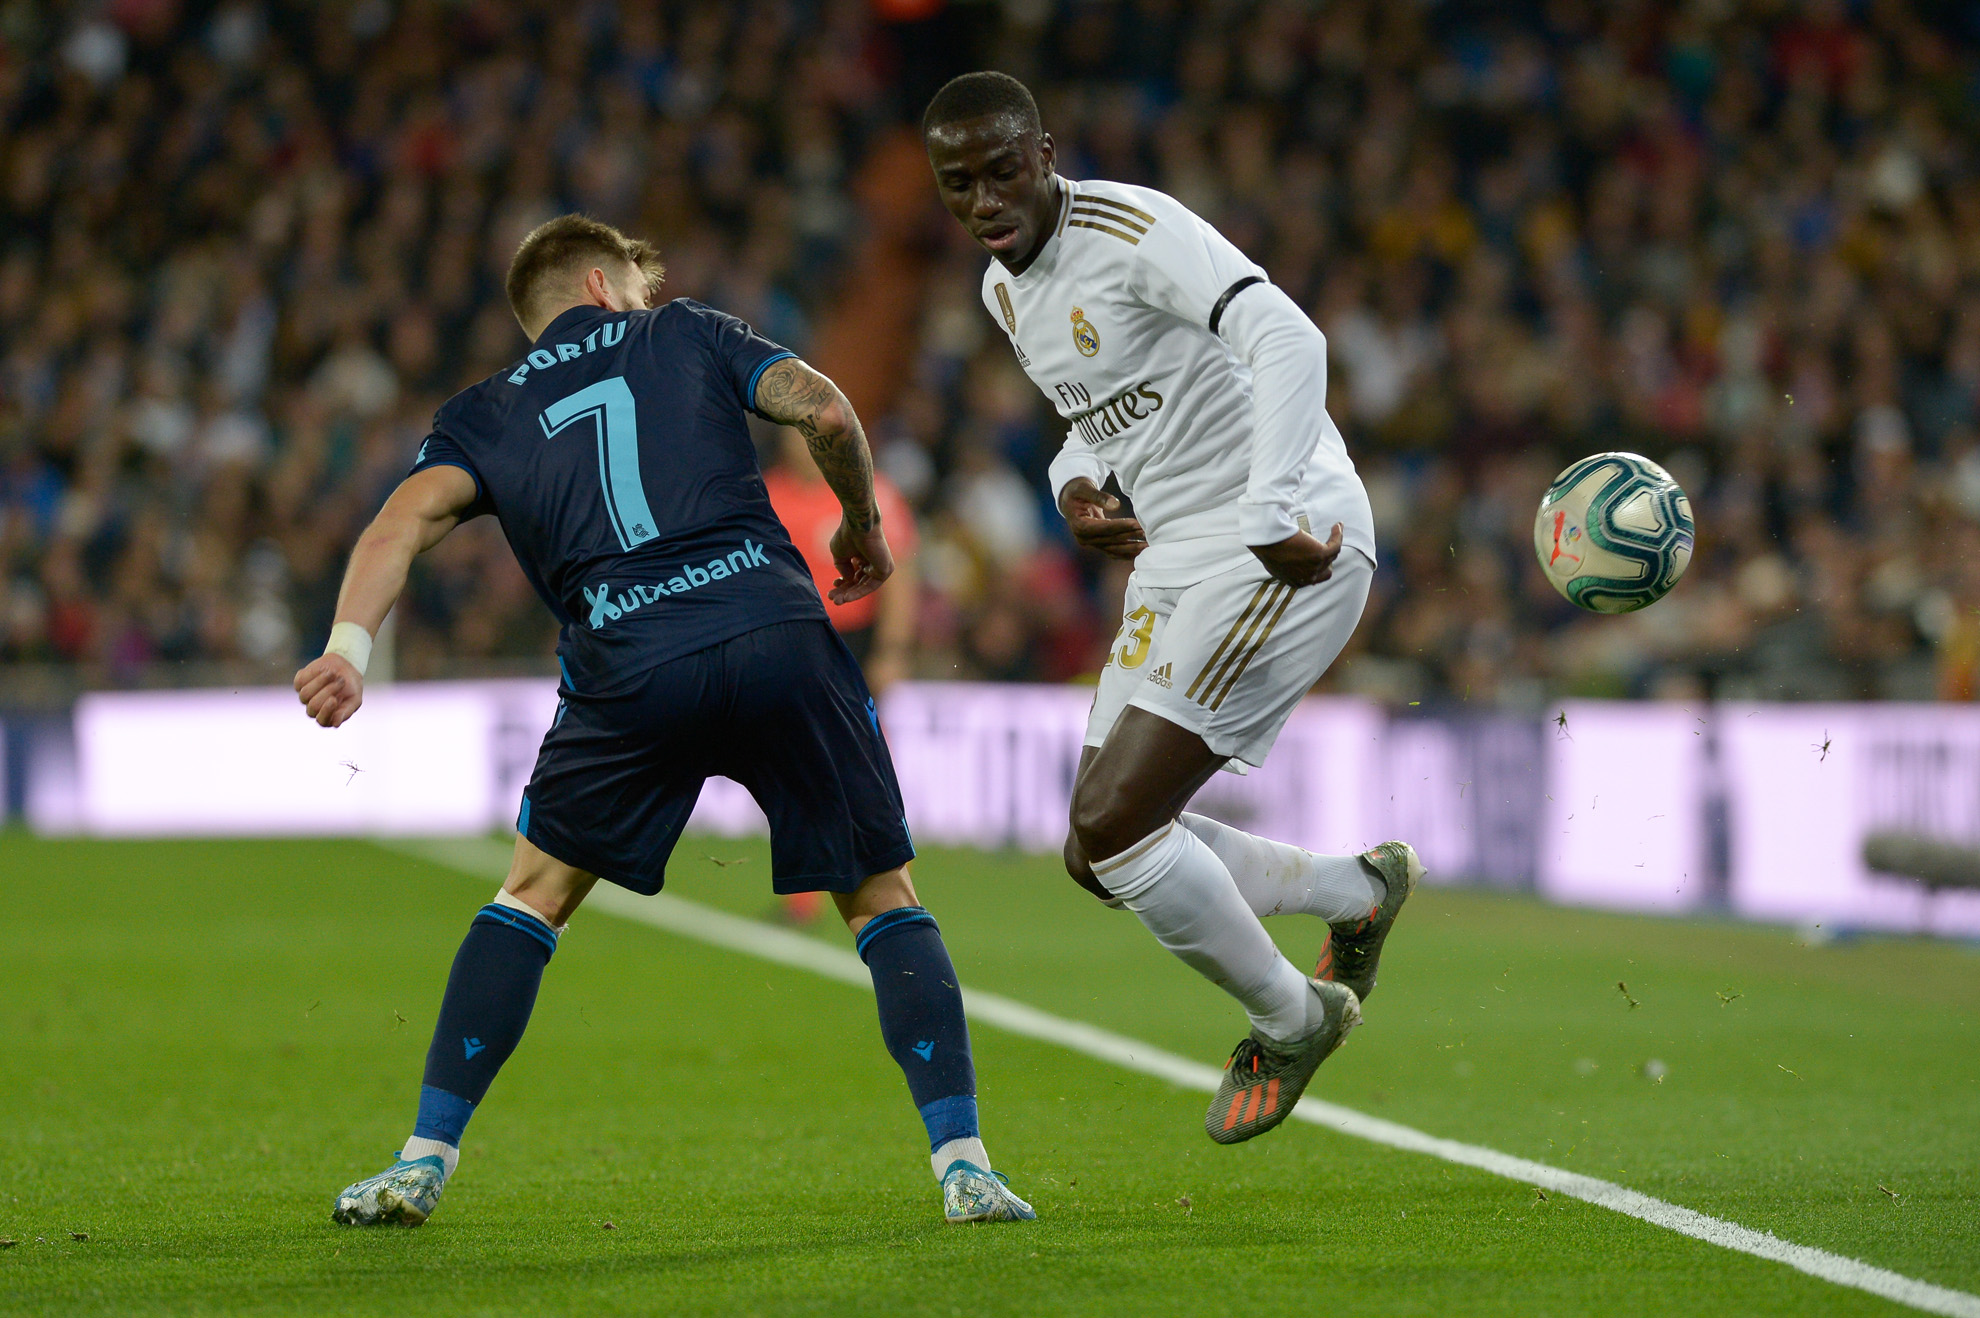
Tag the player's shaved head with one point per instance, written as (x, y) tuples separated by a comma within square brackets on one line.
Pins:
[(982, 95), (548, 271)]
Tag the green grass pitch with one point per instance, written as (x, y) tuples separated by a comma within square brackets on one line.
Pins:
[(200, 1042)]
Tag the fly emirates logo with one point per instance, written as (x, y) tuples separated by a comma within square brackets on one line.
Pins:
[(1099, 424), (606, 608)]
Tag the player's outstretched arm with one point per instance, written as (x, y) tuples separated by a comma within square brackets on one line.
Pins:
[(426, 506), (791, 393)]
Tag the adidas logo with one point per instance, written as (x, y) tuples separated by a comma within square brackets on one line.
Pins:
[(1160, 675)]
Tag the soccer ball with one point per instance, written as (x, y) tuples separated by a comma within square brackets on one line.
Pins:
[(1614, 533)]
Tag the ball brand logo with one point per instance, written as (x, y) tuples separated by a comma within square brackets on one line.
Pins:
[(1613, 533), (1085, 337), (1565, 538)]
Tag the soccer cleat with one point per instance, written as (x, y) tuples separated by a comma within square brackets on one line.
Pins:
[(970, 1194), (1352, 950), (405, 1192), (1264, 1078)]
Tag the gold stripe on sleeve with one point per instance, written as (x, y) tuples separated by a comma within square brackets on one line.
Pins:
[(1110, 218), (1127, 238), (1117, 205)]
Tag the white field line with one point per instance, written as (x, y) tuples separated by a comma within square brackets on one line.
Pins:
[(486, 858)]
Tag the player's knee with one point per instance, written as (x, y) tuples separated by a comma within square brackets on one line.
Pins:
[(1075, 855), (1081, 872), (1103, 824), (545, 884), (879, 893)]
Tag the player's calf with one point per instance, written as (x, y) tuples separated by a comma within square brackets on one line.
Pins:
[(491, 991), (1185, 897), (924, 1027), (1278, 878)]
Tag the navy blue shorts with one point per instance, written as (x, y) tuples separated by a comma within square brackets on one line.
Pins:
[(783, 710)]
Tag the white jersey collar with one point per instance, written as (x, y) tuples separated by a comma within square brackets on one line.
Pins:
[(1048, 256)]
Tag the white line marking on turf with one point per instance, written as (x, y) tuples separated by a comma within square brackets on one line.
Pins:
[(484, 857)]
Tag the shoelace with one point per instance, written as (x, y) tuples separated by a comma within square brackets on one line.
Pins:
[(1245, 1061), (999, 1177)]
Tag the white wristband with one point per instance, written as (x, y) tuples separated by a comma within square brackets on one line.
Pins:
[(351, 641)]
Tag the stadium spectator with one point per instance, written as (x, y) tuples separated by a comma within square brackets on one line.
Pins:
[(880, 628), (248, 248)]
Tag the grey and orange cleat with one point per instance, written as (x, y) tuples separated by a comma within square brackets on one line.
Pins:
[(971, 1194), (1353, 950), (405, 1192), (1264, 1078)]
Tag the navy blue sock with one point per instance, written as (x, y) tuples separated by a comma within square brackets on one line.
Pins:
[(490, 993), (921, 1018)]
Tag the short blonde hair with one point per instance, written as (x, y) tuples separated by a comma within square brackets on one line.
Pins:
[(560, 248)]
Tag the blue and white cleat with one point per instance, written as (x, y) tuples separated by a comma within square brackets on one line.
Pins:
[(405, 1192), (970, 1194)]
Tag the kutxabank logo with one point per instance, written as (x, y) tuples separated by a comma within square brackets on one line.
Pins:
[(607, 608)]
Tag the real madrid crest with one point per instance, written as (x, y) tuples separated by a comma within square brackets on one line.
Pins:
[(1085, 337)]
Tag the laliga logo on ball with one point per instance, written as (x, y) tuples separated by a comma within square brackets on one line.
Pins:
[(1614, 533)]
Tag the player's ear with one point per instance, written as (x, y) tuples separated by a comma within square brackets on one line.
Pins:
[(1047, 153), (598, 289)]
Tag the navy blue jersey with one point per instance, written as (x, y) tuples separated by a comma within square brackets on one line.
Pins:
[(617, 458)]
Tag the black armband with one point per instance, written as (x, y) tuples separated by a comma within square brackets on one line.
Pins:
[(1217, 312)]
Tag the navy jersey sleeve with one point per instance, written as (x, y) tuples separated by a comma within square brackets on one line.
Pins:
[(742, 352), (441, 450)]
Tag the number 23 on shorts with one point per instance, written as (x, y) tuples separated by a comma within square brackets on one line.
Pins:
[(1135, 639)]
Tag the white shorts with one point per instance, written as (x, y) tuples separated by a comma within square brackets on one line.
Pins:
[(1230, 656)]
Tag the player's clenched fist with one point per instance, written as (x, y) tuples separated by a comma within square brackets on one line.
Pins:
[(863, 559), (330, 688)]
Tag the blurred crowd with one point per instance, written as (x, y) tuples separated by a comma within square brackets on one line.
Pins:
[(246, 249)]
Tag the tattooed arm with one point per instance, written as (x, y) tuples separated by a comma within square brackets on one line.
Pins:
[(793, 394)]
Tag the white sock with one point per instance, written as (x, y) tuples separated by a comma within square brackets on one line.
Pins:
[(1188, 900), (1278, 878), (969, 1148), (449, 1155)]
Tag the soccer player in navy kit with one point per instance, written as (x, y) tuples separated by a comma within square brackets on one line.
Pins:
[(617, 459)]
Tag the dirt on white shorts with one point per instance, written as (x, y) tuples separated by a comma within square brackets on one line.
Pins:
[(1228, 657)]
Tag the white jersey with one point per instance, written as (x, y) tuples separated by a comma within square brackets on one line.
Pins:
[(1115, 320)]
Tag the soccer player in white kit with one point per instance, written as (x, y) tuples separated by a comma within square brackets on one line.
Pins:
[(1184, 374)]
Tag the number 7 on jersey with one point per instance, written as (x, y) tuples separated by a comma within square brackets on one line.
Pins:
[(610, 404)]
